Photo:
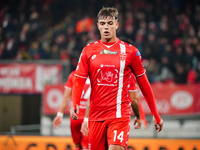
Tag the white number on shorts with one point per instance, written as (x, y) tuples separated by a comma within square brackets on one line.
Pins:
[(119, 137)]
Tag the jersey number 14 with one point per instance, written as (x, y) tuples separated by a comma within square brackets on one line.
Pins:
[(119, 136)]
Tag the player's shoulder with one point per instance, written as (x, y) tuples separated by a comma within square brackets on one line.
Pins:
[(129, 46), (92, 45), (90, 48), (71, 75), (73, 72)]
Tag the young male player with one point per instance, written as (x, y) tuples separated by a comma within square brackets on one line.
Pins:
[(109, 63)]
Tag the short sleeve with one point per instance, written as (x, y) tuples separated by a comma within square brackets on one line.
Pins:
[(132, 86), (69, 83), (136, 63), (82, 67)]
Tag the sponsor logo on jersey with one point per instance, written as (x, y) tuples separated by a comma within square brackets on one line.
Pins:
[(94, 56), (105, 51), (107, 77), (102, 65)]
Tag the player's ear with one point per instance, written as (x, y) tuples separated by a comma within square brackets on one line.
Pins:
[(98, 25), (117, 25)]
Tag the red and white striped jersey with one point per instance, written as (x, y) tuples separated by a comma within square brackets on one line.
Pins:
[(109, 66)]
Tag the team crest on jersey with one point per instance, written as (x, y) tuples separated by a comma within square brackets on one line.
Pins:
[(105, 51), (123, 56)]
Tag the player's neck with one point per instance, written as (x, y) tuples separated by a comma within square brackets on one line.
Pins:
[(109, 43), (112, 40)]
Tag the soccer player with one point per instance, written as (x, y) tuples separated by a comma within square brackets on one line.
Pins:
[(109, 63), (80, 141)]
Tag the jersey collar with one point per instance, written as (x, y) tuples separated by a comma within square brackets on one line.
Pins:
[(108, 45)]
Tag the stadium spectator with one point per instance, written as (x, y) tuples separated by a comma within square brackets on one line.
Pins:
[(35, 51)]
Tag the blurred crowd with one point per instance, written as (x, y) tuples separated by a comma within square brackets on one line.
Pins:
[(167, 33)]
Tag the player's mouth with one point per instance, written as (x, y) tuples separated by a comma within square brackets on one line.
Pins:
[(106, 33)]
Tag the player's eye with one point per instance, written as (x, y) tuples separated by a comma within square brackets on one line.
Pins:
[(110, 23), (102, 23)]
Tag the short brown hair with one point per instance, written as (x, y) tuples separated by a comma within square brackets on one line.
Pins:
[(108, 12)]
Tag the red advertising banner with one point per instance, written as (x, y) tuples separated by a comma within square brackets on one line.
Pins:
[(174, 99), (171, 99), (52, 98), (28, 78), (66, 143)]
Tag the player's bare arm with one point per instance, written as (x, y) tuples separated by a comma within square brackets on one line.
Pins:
[(84, 126), (58, 119), (135, 108)]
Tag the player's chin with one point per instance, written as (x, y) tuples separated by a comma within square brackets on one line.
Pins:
[(107, 37)]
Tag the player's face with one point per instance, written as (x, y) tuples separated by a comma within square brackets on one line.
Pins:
[(107, 27)]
